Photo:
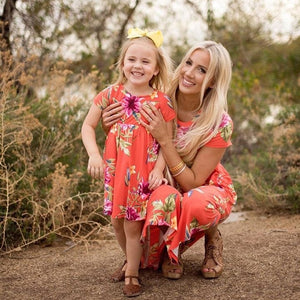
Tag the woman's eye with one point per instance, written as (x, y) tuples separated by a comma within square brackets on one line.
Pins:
[(202, 70)]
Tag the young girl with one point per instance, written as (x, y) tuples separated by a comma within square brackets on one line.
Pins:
[(132, 164)]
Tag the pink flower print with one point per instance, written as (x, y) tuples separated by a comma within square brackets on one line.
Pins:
[(225, 120), (131, 104), (143, 189), (131, 214), (155, 147), (107, 207), (107, 176)]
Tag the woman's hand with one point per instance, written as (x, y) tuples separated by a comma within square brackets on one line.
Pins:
[(110, 115), (157, 126)]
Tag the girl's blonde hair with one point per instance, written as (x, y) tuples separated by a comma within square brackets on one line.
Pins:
[(162, 80), (212, 100)]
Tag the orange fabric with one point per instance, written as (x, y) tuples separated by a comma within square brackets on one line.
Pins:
[(185, 216), (130, 153)]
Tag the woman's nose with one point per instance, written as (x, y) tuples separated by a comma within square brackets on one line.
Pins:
[(189, 72)]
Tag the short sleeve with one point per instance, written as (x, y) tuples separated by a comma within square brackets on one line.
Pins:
[(166, 108), (223, 138), (102, 100)]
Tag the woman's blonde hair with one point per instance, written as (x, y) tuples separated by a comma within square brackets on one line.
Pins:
[(162, 80), (212, 99)]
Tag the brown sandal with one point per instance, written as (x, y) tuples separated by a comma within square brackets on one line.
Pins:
[(119, 274), (172, 270), (213, 251), (132, 290)]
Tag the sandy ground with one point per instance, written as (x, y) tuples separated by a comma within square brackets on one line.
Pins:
[(261, 253)]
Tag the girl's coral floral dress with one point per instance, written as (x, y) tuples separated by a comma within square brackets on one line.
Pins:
[(130, 153), (185, 216)]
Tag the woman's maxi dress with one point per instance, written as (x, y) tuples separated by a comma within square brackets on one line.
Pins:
[(187, 215)]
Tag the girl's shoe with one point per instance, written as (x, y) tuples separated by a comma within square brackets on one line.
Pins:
[(119, 274), (213, 252), (132, 290)]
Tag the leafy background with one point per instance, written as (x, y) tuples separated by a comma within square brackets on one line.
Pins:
[(56, 55)]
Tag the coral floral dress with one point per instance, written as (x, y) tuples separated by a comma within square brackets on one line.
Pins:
[(130, 152), (188, 215)]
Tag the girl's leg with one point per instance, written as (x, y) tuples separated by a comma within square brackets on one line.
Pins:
[(133, 230), (118, 226)]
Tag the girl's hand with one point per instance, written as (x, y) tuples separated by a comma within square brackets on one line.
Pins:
[(110, 115), (157, 126), (155, 179), (96, 166)]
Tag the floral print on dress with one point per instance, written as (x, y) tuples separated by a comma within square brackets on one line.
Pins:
[(188, 214), (130, 152), (226, 127), (131, 104)]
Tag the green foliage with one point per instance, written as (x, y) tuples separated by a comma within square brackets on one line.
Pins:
[(44, 187)]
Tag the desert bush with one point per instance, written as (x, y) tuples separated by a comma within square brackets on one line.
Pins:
[(264, 159), (44, 189)]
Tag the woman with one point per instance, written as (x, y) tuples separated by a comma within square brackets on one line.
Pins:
[(201, 193)]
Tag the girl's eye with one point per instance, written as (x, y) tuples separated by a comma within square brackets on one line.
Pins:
[(188, 62), (145, 62)]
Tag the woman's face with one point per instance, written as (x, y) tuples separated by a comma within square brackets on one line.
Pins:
[(193, 72)]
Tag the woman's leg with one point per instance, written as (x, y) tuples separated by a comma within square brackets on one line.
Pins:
[(212, 266)]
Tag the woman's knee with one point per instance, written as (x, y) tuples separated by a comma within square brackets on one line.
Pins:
[(200, 208)]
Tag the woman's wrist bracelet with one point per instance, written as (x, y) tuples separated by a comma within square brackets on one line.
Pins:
[(177, 168), (180, 171)]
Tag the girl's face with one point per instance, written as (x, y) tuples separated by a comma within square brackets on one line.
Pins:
[(139, 64), (193, 72)]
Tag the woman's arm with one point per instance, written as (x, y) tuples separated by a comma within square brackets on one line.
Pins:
[(204, 163), (111, 114)]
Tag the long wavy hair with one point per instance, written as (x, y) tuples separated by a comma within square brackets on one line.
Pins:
[(159, 82), (212, 100)]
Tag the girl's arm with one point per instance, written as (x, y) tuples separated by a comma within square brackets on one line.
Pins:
[(88, 134), (156, 176), (204, 163)]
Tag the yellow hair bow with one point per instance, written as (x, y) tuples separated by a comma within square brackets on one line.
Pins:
[(155, 36)]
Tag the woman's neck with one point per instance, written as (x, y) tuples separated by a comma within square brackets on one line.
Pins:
[(187, 107)]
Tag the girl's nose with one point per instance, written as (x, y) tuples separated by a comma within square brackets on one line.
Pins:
[(137, 64)]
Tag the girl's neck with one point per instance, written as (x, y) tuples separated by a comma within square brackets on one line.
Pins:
[(138, 90)]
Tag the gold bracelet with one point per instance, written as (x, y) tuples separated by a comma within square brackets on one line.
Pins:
[(174, 175), (177, 167)]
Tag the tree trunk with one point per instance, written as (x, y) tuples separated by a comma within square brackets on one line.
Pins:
[(5, 22)]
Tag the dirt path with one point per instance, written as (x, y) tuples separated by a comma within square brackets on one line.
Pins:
[(262, 257)]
